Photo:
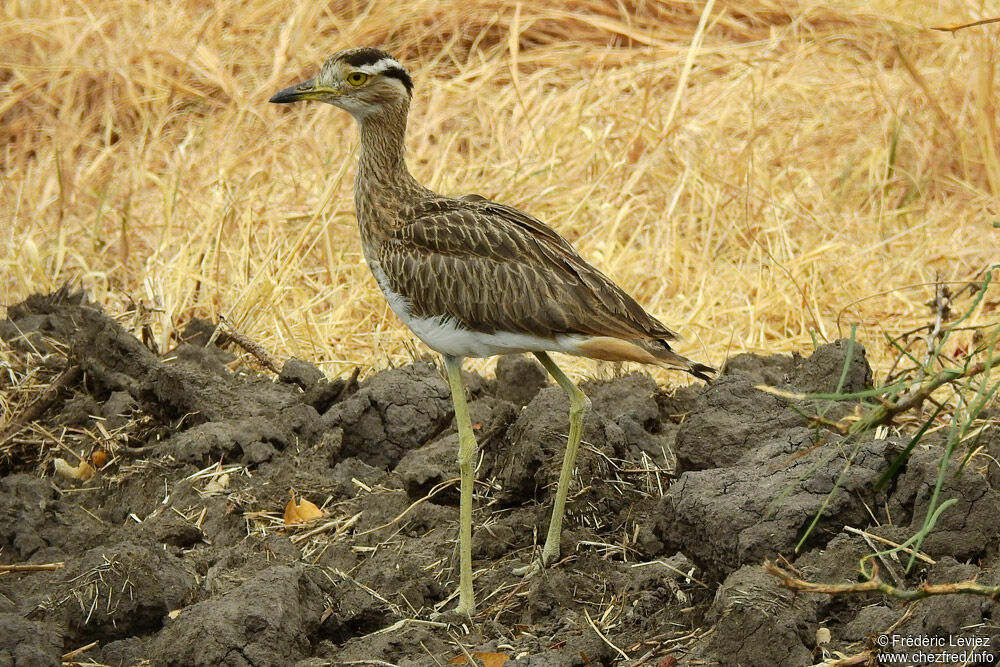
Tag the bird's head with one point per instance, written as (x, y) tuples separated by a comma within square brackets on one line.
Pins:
[(361, 81)]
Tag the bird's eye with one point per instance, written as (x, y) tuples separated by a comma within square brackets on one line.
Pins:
[(357, 78)]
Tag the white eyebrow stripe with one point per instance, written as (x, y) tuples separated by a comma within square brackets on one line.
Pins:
[(381, 66)]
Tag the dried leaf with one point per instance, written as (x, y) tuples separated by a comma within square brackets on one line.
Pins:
[(83, 472), (99, 457), (174, 613), (300, 512), (488, 659)]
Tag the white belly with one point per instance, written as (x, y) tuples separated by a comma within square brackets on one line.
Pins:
[(445, 336)]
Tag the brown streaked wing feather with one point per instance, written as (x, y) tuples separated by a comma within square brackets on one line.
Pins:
[(614, 297), (492, 268)]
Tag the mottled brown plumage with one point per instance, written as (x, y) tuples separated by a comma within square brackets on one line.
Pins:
[(493, 268), (472, 277)]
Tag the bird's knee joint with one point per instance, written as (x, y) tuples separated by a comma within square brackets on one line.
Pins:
[(466, 458), (580, 404)]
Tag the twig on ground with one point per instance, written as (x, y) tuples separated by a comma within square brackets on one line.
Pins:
[(885, 413), (400, 624), (244, 342), (887, 410), (876, 585), (31, 567), (441, 486), (75, 652), (601, 635)]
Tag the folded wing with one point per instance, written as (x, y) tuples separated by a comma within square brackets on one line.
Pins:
[(490, 268)]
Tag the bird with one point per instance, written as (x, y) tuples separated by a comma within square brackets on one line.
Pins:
[(475, 278)]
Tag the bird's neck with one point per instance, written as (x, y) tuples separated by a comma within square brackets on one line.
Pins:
[(383, 182)]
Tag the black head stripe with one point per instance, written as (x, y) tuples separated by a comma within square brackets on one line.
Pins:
[(402, 75), (365, 56)]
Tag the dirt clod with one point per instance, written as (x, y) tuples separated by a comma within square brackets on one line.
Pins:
[(742, 514), (25, 642), (733, 415), (392, 413), (301, 373)]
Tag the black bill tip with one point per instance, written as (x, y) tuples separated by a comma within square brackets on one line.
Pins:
[(294, 93)]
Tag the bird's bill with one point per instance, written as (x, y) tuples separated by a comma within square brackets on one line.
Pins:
[(307, 90)]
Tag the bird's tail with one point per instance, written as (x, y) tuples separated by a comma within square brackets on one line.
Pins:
[(667, 358), (642, 350)]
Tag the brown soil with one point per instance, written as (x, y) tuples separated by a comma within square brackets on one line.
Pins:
[(176, 552)]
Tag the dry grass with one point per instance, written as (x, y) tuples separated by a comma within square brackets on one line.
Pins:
[(822, 167)]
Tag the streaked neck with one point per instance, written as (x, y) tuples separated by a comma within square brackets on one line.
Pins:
[(382, 172)]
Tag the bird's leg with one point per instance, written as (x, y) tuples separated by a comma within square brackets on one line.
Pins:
[(466, 462), (578, 406)]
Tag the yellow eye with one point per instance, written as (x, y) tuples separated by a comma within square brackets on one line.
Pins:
[(357, 78)]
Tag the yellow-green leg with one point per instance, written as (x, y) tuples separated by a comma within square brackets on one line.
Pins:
[(466, 463), (578, 406)]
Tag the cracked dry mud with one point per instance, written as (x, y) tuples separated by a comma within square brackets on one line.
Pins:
[(177, 559)]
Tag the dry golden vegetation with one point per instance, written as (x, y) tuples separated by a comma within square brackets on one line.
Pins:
[(816, 166)]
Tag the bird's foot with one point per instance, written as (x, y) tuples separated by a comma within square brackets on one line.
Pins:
[(535, 566), (456, 617), (530, 570)]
